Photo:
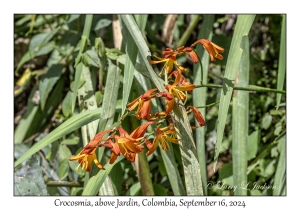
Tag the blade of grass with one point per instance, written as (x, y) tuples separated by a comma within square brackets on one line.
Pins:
[(110, 97), (242, 27), (95, 182), (280, 174), (131, 51), (199, 95), (26, 119), (109, 104), (87, 100), (86, 34), (68, 126), (187, 146), (142, 46), (240, 113), (282, 60)]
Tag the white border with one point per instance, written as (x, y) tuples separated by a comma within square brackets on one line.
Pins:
[(8, 8)]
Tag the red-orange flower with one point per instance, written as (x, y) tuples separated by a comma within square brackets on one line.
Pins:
[(197, 115), (161, 138), (126, 144), (213, 49), (85, 160), (95, 142), (177, 91), (144, 104), (170, 61), (182, 81), (87, 154)]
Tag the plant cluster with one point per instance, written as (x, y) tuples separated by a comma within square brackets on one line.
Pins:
[(118, 139)]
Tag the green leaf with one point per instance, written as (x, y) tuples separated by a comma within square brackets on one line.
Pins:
[(26, 119), (131, 51), (48, 81), (242, 27), (38, 46), (160, 190), (94, 59), (29, 179), (99, 97), (240, 118), (252, 144), (68, 126), (95, 182), (282, 60), (115, 175), (226, 174), (83, 44), (278, 129), (71, 141), (266, 121), (280, 174), (67, 104), (142, 46), (78, 59), (102, 23), (135, 189), (86, 60), (199, 94), (110, 97), (63, 169), (86, 34)]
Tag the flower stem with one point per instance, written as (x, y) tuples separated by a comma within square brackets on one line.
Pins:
[(189, 31), (208, 105), (249, 88)]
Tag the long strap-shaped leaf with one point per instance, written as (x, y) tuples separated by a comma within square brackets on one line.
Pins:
[(199, 94), (282, 60), (240, 113), (93, 185), (243, 25), (68, 126), (131, 55), (187, 146)]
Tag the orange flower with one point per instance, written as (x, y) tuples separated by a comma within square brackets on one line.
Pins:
[(127, 144), (197, 115), (183, 81), (161, 138), (170, 61), (144, 104), (168, 66), (177, 91), (95, 142), (87, 154), (85, 160), (213, 49)]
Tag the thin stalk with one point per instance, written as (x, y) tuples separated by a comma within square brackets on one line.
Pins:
[(64, 184), (208, 105), (249, 88), (144, 174), (189, 31), (87, 25)]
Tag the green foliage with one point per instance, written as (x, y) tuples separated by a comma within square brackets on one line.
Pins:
[(72, 81)]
